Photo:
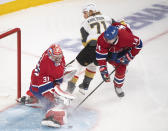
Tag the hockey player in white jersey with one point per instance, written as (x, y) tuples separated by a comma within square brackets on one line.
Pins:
[(94, 24)]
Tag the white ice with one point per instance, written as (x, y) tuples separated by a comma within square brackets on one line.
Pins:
[(145, 105)]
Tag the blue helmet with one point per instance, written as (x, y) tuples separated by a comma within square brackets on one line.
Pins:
[(111, 32)]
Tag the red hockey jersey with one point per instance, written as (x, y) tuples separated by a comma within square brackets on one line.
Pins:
[(46, 71), (126, 40)]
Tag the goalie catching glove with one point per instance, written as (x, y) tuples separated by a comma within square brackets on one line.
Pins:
[(62, 97), (58, 96)]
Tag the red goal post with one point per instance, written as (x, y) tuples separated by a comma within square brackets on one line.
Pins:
[(18, 31)]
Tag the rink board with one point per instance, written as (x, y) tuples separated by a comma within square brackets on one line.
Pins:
[(9, 6), (23, 118)]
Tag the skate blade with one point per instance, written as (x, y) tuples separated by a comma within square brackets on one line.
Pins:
[(82, 91), (34, 105), (50, 124)]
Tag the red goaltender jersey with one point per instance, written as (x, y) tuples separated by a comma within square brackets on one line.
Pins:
[(47, 73), (126, 40)]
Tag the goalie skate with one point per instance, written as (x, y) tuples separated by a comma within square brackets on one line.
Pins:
[(50, 122), (27, 100)]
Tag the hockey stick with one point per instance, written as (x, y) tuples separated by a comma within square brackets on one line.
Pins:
[(92, 91), (70, 63)]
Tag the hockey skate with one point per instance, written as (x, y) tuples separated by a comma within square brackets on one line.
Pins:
[(71, 87), (119, 92), (85, 85), (50, 122), (28, 100)]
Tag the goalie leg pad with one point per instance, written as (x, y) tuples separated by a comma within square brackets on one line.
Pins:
[(55, 118), (49, 95)]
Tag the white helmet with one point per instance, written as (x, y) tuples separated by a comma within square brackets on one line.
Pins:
[(89, 7)]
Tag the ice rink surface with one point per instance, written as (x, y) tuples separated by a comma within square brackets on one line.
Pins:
[(145, 105)]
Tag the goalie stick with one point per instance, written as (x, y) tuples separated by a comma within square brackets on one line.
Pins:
[(70, 63)]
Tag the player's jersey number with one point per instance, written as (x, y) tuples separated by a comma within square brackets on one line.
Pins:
[(46, 79), (98, 26)]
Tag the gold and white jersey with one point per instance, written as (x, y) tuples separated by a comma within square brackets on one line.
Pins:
[(93, 26)]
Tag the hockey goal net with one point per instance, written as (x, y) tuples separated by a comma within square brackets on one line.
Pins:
[(10, 67)]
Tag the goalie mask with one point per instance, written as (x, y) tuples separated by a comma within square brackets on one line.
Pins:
[(55, 53)]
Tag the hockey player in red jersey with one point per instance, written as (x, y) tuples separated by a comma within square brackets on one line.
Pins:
[(117, 46), (45, 87)]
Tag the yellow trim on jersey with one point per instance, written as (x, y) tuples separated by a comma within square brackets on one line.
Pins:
[(86, 43), (74, 79), (123, 22), (8, 6), (89, 74)]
